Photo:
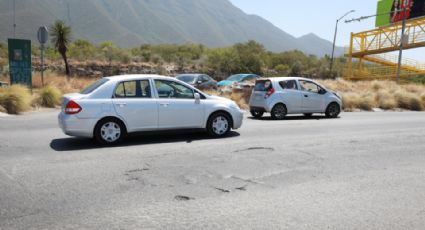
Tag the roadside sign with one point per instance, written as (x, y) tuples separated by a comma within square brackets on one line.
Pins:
[(42, 35), (20, 61)]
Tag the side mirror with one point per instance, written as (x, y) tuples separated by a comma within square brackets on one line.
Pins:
[(322, 91), (199, 82), (197, 98)]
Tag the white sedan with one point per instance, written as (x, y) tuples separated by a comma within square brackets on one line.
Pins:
[(113, 107)]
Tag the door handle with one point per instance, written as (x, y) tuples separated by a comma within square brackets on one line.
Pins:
[(305, 95), (121, 104), (164, 104)]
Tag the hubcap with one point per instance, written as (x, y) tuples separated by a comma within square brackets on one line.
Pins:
[(220, 125), (110, 132), (279, 112), (333, 110)]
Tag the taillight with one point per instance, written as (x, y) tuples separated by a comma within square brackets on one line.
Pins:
[(72, 108), (269, 93)]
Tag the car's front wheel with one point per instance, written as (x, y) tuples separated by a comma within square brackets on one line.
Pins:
[(333, 110), (219, 125), (109, 131)]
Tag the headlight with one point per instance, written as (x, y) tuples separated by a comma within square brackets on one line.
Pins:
[(337, 95)]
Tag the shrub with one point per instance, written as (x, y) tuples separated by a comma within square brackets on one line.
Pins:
[(366, 102), (386, 100), (16, 99), (350, 101), (410, 101), (49, 96)]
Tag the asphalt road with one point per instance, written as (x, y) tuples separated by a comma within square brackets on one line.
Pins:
[(361, 171)]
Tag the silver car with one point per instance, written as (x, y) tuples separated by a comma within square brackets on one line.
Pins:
[(115, 106), (293, 95)]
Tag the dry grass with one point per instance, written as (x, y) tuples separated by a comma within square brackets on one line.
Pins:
[(15, 99), (75, 84), (241, 97), (49, 96), (361, 95), (387, 95)]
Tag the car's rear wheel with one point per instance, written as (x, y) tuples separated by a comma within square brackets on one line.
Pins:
[(333, 110), (109, 131), (279, 112), (257, 114), (219, 125)]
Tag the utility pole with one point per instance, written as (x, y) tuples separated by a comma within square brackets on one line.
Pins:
[(333, 46), (403, 28), (14, 18)]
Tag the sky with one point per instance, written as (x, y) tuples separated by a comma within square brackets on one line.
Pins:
[(301, 17)]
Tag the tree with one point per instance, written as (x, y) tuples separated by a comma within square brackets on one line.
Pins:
[(61, 37)]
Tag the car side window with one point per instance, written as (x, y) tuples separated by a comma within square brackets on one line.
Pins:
[(133, 89), (309, 86), (145, 88), (171, 89), (204, 78), (291, 84)]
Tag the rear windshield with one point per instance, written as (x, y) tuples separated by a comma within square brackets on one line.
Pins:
[(263, 85), (94, 86)]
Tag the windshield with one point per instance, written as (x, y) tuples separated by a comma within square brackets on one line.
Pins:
[(94, 86), (237, 77), (187, 79)]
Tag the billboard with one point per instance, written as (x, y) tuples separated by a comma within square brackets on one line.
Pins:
[(20, 61), (392, 11)]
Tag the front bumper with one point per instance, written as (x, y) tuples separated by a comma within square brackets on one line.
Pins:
[(237, 119)]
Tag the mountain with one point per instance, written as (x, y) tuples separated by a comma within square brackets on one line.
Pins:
[(130, 23)]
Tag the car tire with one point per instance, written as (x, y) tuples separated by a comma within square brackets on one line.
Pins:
[(257, 114), (109, 131), (333, 110), (308, 114), (279, 112), (219, 124)]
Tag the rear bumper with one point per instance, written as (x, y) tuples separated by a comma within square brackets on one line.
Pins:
[(257, 109), (73, 126)]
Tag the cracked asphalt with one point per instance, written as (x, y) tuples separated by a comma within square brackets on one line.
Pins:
[(361, 171)]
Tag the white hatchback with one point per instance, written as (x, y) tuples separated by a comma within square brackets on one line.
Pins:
[(293, 95), (115, 106)]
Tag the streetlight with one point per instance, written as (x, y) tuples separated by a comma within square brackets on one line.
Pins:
[(403, 28), (336, 30)]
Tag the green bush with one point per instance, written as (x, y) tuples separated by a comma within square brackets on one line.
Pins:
[(49, 96), (16, 99)]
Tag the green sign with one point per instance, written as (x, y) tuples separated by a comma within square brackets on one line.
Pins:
[(20, 61)]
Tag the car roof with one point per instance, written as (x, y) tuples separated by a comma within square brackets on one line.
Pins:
[(137, 76), (285, 78), (244, 74), (190, 74)]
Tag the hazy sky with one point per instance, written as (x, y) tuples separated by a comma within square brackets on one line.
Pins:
[(300, 17)]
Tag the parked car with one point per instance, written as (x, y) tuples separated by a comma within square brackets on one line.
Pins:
[(200, 81), (293, 95), (238, 80), (113, 107)]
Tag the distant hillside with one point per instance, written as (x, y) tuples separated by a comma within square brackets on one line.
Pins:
[(130, 23)]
